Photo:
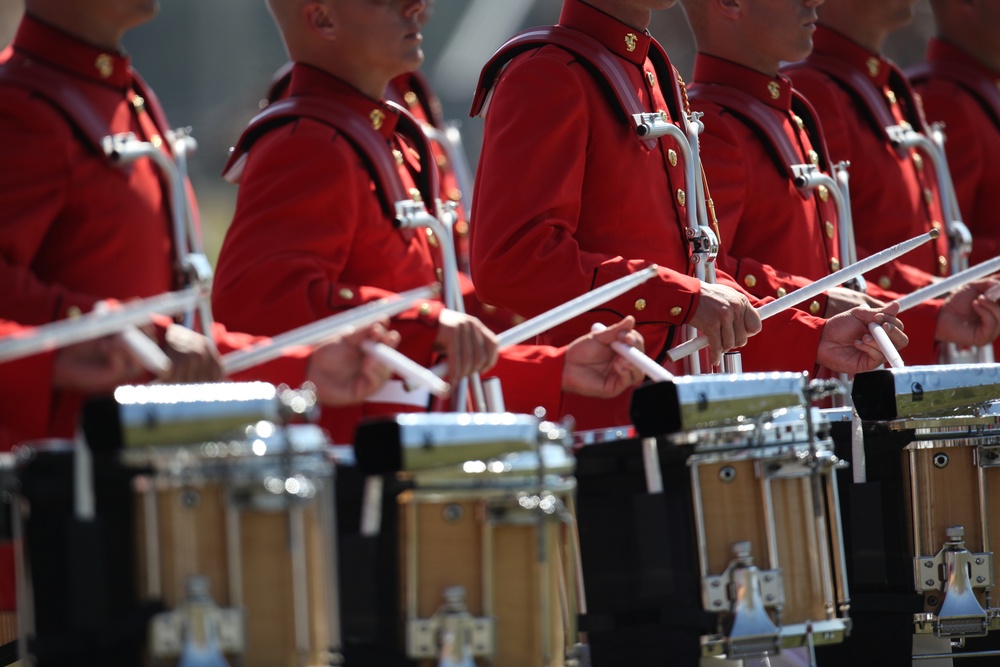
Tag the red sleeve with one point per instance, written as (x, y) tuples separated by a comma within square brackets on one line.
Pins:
[(25, 395), (531, 376), (35, 144)]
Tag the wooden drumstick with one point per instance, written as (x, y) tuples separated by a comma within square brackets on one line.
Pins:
[(637, 357)]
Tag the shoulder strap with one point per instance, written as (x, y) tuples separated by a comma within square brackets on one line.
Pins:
[(985, 91), (45, 84), (607, 69), (370, 144)]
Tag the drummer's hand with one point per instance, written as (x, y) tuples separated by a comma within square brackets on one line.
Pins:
[(726, 318), (470, 347), (343, 373), (841, 299), (193, 356), (848, 347), (968, 317), (592, 368), (95, 366)]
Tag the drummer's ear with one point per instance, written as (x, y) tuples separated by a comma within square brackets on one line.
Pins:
[(319, 19)]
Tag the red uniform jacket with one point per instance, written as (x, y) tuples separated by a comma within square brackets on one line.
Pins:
[(311, 237), (964, 94), (770, 228), (25, 394), (569, 198), (75, 228), (894, 194)]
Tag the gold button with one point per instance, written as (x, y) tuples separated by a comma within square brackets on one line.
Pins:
[(675, 311), (905, 124), (440, 275), (681, 197), (814, 307), (73, 311), (345, 293), (398, 154), (928, 196), (936, 225), (834, 264), (672, 157), (830, 229), (651, 78), (377, 117), (891, 96), (640, 304), (798, 121), (425, 308), (431, 239), (663, 115), (918, 161), (750, 280), (455, 194), (410, 98), (774, 89), (824, 194), (942, 265), (781, 291), (442, 161), (814, 157), (873, 66), (139, 103), (462, 228), (415, 195), (104, 65), (884, 282), (630, 42), (156, 141)]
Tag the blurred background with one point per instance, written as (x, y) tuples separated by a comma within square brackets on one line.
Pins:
[(210, 62)]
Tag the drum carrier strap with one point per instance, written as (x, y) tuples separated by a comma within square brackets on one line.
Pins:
[(369, 144), (985, 91), (609, 70)]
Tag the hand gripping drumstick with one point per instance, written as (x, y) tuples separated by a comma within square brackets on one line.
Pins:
[(413, 373), (818, 287), (950, 283), (317, 332), (152, 358), (889, 350), (637, 357)]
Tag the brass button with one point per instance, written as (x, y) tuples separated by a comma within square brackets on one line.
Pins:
[(928, 196), (942, 265), (824, 194), (891, 96), (798, 121), (781, 291), (410, 98), (918, 161), (345, 293), (905, 124), (156, 141), (814, 157), (425, 308), (630, 42), (440, 275), (750, 280), (681, 197), (415, 195), (814, 307), (873, 65), (884, 282), (651, 78), (104, 65), (377, 117), (442, 161), (672, 157), (834, 264), (936, 225), (139, 103), (462, 228), (830, 229), (774, 89), (455, 194), (73, 311), (398, 154), (431, 239), (675, 311), (640, 304)]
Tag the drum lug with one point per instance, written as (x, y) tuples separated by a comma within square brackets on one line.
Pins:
[(452, 633), (988, 456), (745, 592), (956, 573)]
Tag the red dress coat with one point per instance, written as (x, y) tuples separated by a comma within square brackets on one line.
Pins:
[(972, 126), (894, 196), (567, 198), (772, 234)]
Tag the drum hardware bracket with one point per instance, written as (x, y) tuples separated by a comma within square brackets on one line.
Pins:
[(424, 635), (167, 631), (956, 572), (988, 456)]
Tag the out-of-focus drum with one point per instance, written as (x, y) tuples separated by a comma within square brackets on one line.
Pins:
[(488, 561), (251, 521)]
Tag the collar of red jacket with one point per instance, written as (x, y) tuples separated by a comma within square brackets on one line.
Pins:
[(45, 43), (874, 65), (774, 91), (620, 38), (941, 51), (313, 82)]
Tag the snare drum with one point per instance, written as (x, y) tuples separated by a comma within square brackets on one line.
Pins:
[(486, 562), (253, 520)]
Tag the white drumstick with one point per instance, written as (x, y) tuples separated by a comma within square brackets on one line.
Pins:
[(993, 293), (413, 373), (637, 357), (950, 283), (885, 344), (818, 287), (152, 358)]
